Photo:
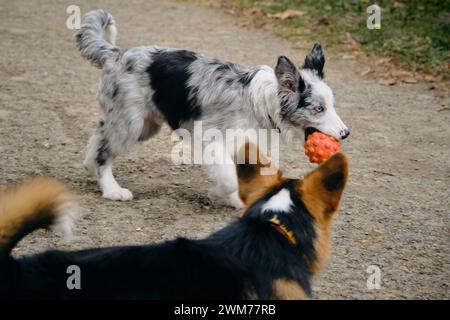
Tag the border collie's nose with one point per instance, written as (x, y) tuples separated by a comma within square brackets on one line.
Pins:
[(344, 133)]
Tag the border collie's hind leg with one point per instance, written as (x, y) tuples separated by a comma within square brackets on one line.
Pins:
[(108, 142), (90, 162), (98, 162)]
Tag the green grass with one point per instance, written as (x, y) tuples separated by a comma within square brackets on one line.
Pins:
[(415, 33)]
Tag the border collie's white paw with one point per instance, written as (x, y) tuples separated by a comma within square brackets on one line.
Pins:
[(235, 201), (118, 193), (214, 196), (231, 200)]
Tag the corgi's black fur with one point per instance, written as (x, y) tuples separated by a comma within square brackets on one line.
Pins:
[(250, 258)]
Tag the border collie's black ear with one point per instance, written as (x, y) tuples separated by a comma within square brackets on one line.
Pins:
[(322, 188), (252, 183), (315, 60), (288, 75)]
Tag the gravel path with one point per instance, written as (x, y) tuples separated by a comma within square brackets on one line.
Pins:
[(395, 210)]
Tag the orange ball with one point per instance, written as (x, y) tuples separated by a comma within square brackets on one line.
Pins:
[(320, 146)]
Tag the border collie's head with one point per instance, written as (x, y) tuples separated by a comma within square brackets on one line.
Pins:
[(305, 207), (307, 102)]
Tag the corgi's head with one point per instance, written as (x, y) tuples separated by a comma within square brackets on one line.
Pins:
[(306, 101), (301, 209)]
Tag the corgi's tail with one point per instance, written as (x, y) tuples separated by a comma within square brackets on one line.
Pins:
[(35, 204)]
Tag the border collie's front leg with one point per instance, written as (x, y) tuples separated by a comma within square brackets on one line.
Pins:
[(225, 191), (224, 176), (109, 186)]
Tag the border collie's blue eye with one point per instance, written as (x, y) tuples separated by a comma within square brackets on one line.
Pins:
[(318, 109)]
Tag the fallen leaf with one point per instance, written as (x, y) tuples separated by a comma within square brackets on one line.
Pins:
[(351, 42), (383, 60), (252, 12), (244, 24), (401, 73), (366, 72), (387, 82), (348, 57), (430, 78), (323, 22), (410, 80), (290, 13), (404, 268)]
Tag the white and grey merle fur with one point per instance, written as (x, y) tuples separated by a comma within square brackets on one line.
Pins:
[(143, 87)]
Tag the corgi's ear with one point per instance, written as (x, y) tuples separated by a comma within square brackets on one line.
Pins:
[(321, 189), (256, 174)]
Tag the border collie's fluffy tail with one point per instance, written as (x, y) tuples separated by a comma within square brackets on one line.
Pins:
[(35, 204), (90, 39)]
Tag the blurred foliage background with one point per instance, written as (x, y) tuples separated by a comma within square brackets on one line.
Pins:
[(415, 34)]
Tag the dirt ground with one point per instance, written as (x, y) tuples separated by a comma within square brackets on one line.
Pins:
[(395, 210)]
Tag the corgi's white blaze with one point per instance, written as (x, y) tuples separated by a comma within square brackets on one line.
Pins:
[(280, 202)]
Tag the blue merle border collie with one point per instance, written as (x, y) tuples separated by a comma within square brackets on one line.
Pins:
[(271, 252), (143, 87)]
